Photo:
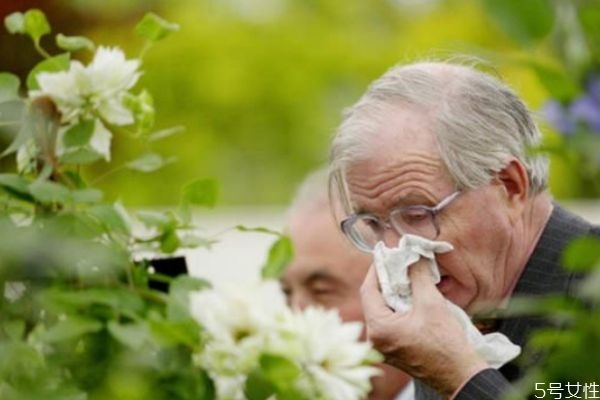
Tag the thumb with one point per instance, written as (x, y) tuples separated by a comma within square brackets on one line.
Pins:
[(422, 285), (373, 303)]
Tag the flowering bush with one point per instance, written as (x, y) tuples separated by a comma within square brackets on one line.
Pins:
[(567, 64), (79, 314), (578, 120)]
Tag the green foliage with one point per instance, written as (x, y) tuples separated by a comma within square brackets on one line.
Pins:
[(560, 47), (74, 43), (280, 253), (526, 21), (582, 254), (52, 64), (201, 192), (154, 28), (148, 162), (261, 94), (274, 377), (279, 257), (9, 87), (78, 316), (32, 23)]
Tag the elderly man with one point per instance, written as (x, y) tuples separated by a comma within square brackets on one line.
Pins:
[(441, 151), (327, 271)]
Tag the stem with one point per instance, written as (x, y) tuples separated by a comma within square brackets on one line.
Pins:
[(41, 50), (145, 49), (107, 173), (151, 295), (129, 278)]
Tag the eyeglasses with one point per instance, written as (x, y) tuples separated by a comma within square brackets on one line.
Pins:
[(365, 230)]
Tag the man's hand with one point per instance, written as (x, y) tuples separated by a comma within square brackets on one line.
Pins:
[(427, 341)]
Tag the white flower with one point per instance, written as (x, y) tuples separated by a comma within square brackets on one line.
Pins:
[(244, 322), (235, 312), (97, 89), (332, 356), (238, 320), (100, 140)]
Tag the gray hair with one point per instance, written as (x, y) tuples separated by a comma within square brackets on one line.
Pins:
[(479, 123)]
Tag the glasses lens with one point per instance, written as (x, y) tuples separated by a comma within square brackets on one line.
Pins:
[(364, 231), (414, 220)]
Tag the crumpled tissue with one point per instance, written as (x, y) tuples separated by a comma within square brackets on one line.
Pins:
[(392, 265)]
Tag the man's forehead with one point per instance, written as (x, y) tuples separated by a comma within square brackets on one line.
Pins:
[(415, 179)]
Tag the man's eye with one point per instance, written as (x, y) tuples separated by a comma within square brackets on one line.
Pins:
[(371, 223), (322, 291), (414, 217)]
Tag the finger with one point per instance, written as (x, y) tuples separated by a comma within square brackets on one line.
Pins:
[(422, 284), (373, 303)]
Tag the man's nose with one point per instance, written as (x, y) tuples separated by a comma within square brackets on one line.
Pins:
[(390, 236)]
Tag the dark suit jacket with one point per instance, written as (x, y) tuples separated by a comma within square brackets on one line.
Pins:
[(542, 275)]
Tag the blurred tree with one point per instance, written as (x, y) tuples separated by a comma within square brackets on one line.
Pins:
[(260, 85)]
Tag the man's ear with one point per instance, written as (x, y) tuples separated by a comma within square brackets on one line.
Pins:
[(515, 182)]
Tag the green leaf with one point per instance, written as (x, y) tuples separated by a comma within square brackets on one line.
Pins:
[(202, 192), (155, 219), (179, 292), (15, 22), (184, 332), (80, 134), (154, 28), (148, 162), (15, 184), (49, 192), (110, 217), (133, 335), (36, 24), (70, 328), (23, 135), (14, 329), (74, 43), (590, 287), (164, 133), (559, 84), (191, 241), (121, 300), (526, 21), (276, 375), (258, 229), (11, 112), (9, 87), (278, 369), (57, 63), (258, 387), (88, 195), (82, 155), (280, 254), (582, 254), (169, 241)]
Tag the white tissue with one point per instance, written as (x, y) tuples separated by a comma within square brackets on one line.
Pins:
[(392, 271)]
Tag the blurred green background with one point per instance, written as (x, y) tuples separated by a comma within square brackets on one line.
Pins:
[(260, 84)]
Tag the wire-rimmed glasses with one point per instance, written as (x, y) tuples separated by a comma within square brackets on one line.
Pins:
[(365, 230)]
